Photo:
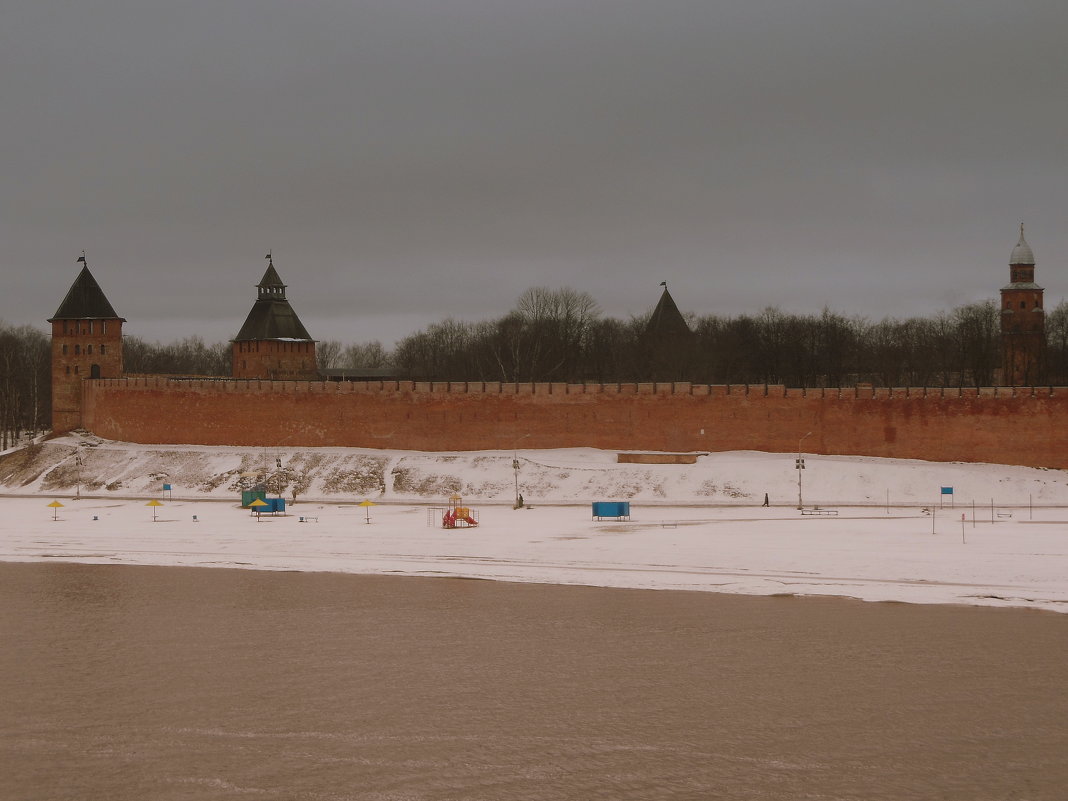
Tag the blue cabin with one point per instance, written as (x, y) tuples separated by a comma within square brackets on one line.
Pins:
[(614, 510)]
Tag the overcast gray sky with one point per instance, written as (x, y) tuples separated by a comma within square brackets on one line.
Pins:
[(410, 160)]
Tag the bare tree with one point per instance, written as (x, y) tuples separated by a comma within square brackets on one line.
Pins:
[(25, 386), (328, 354), (543, 338), (189, 356), (366, 354), (1057, 341)]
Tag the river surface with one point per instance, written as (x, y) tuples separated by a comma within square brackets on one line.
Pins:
[(163, 683)]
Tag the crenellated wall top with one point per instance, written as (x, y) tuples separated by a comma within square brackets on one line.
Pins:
[(685, 388)]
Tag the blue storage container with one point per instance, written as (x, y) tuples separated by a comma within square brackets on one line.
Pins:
[(617, 510)]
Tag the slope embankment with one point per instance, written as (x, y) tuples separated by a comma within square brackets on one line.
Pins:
[(83, 464)]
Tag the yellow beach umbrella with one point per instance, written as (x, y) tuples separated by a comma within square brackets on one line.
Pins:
[(55, 506), (256, 505), (154, 503), (367, 505)]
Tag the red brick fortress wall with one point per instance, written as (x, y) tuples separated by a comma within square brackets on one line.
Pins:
[(1010, 425)]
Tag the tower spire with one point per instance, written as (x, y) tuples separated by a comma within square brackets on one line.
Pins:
[(1022, 253)]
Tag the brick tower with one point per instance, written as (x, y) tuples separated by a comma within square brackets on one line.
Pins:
[(273, 343), (1023, 321), (86, 343)]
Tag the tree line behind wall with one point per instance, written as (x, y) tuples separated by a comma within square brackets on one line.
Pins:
[(561, 336)]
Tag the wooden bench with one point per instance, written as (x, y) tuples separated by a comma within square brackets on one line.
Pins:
[(818, 511)]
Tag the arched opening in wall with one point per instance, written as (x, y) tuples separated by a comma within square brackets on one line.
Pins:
[(94, 371)]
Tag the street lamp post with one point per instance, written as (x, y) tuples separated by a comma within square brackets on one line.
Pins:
[(800, 465), (515, 468)]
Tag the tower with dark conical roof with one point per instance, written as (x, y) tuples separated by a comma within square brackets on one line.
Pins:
[(1023, 320), (667, 342), (273, 343), (86, 344)]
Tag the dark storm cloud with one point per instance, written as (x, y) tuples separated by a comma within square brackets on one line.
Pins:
[(407, 161)]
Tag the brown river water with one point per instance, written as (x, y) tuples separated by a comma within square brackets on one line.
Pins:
[(157, 683)]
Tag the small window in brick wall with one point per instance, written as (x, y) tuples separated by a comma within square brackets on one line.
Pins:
[(103, 349), (77, 350), (64, 350), (89, 349)]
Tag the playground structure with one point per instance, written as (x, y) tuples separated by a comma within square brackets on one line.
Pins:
[(455, 515)]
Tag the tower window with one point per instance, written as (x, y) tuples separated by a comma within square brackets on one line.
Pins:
[(75, 369), (103, 329), (77, 350), (68, 369), (103, 349), (89, 349), (64, 350), (1023, 304)]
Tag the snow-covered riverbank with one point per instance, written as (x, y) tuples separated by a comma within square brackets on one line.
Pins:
[(692, 527)]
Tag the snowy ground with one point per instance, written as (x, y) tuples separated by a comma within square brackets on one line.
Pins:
[(692, 527)]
